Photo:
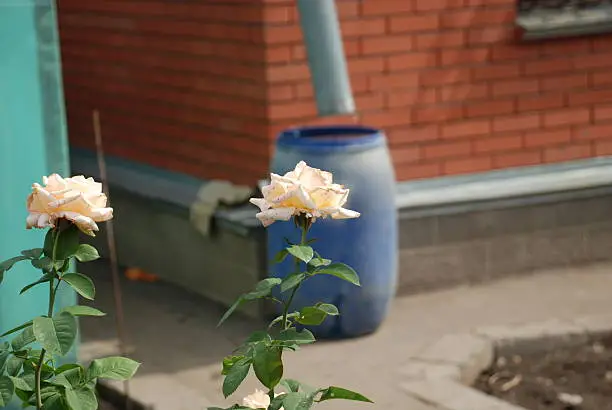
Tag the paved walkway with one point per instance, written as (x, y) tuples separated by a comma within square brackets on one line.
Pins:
[(174, 335)]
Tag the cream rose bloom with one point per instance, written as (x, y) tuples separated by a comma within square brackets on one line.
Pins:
[(305, 190), (77, 199), (258, 400)]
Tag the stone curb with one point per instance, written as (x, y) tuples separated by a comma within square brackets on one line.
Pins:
[(441, 374)]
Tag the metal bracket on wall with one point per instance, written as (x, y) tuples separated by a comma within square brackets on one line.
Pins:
[(547, 19)]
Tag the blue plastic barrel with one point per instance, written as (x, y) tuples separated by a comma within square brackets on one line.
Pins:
[(359, 158)]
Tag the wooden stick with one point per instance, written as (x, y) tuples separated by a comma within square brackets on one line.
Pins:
[(110, 235)]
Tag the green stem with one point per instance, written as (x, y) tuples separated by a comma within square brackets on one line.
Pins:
[(52, 292), (295, 289)]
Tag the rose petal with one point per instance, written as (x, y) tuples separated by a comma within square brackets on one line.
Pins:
[(344, 213), (261, 203), (269, 216), (84, 223)]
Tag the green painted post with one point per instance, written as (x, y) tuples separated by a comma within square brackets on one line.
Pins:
[(32, 143)]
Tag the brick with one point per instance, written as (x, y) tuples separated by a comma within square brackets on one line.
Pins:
[(600, 79), (544, 138), (567, 116), (413, 134), (572, 46), (393, 81), (366, 65), (463, 92), (292, 110), (592, 61), (431, 5), (447, 149), (443, 76), (414, 23), (514, 87), (565, 82), (387, 118), (519, 122), (603, 148), (540, 102), (385, 7), (437, 113), (283, 73), (418, 171), (280, 92), (369, 101), (277, 34), (496, 71), (602, 113), (405, 61), (278, 54), (594, 132), (468, 165), (490, 35), (494, 143), (440, 39), (406, 98), (567, 153), (363, 27), (490, 108), (590, 97), (387, 44), (467, 56), (347, 9), (517, 159), (523, 52), (548, 66), (488, 3), (474, 17), (405, 155), (466, 129)]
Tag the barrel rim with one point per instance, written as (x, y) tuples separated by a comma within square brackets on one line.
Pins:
[(301, 137)]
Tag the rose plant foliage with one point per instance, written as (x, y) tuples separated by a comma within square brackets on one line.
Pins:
[(304, 194), (29, 369)]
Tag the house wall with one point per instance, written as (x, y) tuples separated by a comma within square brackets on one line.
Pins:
[(203, 87)]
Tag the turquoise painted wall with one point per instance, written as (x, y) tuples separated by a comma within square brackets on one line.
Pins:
[(32, 142)]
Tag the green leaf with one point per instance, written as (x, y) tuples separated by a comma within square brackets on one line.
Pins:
[(231, 310), (235, 376), (45, 264), (280, 256), (81, 284), (55, 400), (292, 281), (292, 336), (16, 329), (302, 252), (316, 262), (80, 310), (67, 243), (56, 334), (263, 288), (8, 264), (13, 365), (229, 362), (298, 401), (339, 393), (44, 279), (315, 315), (69, 366), (340, 270), (35, 253), (268, 364), (6, 391), (291, 385), (81, 399), (20, 384), (24, 338), (86, 253), (114, 368)]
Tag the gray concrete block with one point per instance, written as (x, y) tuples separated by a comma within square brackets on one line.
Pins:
[(533, 337), (595, 325), (416, 369), (449, 395)]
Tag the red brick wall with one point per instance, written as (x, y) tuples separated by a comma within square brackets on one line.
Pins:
[(202, 87)]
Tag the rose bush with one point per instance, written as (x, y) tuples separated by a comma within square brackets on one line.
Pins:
[(77, 199), (305, 190)]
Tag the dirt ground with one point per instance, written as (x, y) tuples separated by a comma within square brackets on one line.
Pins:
[(575, 378)]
